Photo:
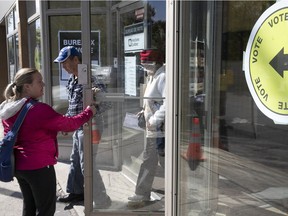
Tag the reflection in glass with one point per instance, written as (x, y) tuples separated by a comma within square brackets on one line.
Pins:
[(16, 52), (58, 88), (120, 152), (59, 82), (10, 22), (241, 168), (11, 57), (35, 44), (13, 44)]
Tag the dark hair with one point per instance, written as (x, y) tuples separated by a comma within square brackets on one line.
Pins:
[(71, 57), (14, 90)]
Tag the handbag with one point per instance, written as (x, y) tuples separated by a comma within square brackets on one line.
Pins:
[(141, 120), (7, 162)]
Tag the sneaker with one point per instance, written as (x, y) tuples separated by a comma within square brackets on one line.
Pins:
[(137, 198), (103, 204), (71, 198)]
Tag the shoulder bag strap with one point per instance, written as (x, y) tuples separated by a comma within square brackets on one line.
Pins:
[(22, 115)]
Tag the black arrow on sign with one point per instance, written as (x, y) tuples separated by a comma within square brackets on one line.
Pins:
[(280, 62)]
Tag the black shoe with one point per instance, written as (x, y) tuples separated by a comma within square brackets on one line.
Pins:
[(71, 198)]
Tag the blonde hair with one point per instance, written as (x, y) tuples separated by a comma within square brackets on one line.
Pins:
[(23, 76)]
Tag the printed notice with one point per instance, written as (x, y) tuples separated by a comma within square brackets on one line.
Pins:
[(130, 75)]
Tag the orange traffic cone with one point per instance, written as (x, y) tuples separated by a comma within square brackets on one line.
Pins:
[(96, 136), (194, 153)]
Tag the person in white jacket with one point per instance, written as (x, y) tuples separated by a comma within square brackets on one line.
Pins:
[(154, 112)]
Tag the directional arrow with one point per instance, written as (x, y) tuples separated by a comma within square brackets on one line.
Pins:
[(280, 62)]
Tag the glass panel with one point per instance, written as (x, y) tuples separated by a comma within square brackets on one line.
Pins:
[(63, 4), (121, 151), (16, 16), (35, 44), (11, 57), (10, 22), (13, 45), (59, 77), (195, 196), (239, 167), (17, 52), (255, 150), (59, 80)]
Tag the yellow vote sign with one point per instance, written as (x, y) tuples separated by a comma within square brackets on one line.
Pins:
[(266, 62)]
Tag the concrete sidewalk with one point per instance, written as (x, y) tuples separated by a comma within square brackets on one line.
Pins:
[(62, 170), (11, 201)]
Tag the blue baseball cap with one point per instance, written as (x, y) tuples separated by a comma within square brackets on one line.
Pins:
[(65, 52)]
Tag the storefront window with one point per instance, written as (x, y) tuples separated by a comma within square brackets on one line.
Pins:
[(11, 57), (254, 146), (12, 42), (16, 52), (10, 22), (35, 44), (234, 160)]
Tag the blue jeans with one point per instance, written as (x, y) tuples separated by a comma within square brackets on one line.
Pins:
[(160, 143), (75, 182)]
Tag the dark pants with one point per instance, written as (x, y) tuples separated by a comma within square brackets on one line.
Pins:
[(38, 188), (160, 143)]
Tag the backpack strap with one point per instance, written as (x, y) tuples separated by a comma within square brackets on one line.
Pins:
[(22, 115)]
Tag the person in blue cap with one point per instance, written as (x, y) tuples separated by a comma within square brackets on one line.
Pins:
[(69, 57)]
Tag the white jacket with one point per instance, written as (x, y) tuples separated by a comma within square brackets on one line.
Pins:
[(154, 107)]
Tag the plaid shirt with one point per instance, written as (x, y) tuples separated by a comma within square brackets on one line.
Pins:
[(75, 96)]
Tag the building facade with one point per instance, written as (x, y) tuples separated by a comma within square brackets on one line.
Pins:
[(223, 156)]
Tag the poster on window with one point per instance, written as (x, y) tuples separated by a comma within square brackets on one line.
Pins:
[(73, 38), (130, 75)]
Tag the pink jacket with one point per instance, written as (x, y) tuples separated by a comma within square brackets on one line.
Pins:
[(36, 145)]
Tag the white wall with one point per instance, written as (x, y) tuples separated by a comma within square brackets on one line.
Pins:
[(5, 5)]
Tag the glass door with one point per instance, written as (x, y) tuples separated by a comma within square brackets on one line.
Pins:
[(226, 166), (197, 166), (119, 33)]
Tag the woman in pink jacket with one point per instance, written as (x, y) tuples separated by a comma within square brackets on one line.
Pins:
[(36, 148)]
